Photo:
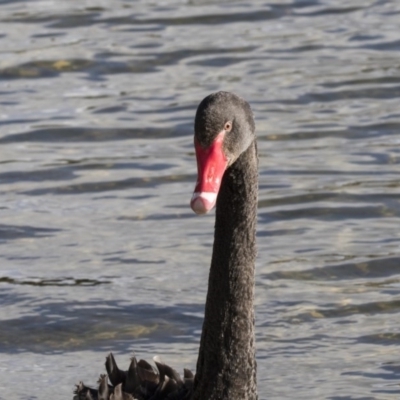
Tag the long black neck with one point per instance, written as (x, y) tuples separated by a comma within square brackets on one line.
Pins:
[(226, 367)]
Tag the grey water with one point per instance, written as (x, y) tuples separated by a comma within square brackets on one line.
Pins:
[(99, 250)]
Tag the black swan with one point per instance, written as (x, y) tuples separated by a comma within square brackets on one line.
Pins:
[(227, 164)]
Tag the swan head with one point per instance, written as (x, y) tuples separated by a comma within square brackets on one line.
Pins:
[(223, 129)]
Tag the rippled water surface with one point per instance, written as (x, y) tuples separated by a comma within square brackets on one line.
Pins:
[(99, 249)]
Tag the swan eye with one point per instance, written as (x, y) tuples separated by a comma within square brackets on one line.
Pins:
[(228, 126)]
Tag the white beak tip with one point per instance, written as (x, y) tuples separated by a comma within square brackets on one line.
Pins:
[(203, 202)]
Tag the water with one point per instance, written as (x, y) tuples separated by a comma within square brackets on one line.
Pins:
[(99, 249)]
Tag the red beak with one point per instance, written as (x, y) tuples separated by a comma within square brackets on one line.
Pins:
[(211, 165)]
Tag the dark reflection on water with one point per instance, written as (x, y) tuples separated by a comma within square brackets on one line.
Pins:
[(112, 185), (71, 171), (59, 134), (10, 232), (388, 339), (73, 326), (368, 309), (53, 282), (100, 251), (352, 132), (371, 93), (335, 213), (375, 268), (50, 69)]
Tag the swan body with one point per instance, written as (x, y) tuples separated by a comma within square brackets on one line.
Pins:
[(226, 153)]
